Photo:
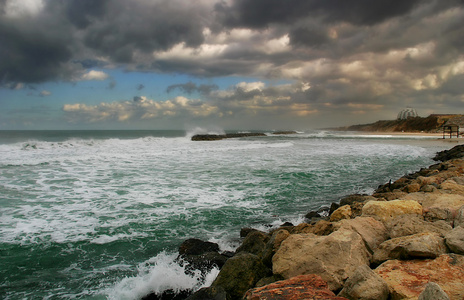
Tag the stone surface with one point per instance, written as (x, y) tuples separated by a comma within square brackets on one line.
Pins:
[(298, 287), (343, 212), (459, 220), (438, 206), (433, 291), (407, 279), (254, 242), (365, 284), (455, 152), (455, 240), (273, 245), (210, 293), (409, 225), (333, 257), (386, 211), (373, 232), (421, 245), (197, 247), (239, 274)]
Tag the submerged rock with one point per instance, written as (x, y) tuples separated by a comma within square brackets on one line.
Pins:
[(298, 287)]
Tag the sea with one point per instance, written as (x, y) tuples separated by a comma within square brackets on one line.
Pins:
[(101, 214)]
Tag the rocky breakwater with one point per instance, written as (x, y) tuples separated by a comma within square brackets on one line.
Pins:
[(217, 137), (405, 241)]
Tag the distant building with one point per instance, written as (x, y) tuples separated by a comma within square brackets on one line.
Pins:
[(407, 113)]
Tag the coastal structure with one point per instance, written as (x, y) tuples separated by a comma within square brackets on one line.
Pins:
[(454, 127), (407, 113)]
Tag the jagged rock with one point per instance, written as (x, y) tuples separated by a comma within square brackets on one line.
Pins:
[(333, 257), (406, 279), (365, 284), (455, 152), (255, 243), (421, 245), (455, 240), (197, 247), (298, 287), (386, 211), (239, 274), (343, 212), (373, 232), (210, 293), (459, 220), (333, 207), (433, 291), (273, 245), (409, 225)]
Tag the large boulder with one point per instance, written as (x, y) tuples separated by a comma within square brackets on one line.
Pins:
[(406, 279), (365, 284), (273, 245), (438, 206), (386, 211), (343, 212), (421, 245), (298, 287), (433, 292), (373, 232), (409, 225), (254, 242), (459, 220), (197, 247), (333, 257), (239, 274), (455, 240)]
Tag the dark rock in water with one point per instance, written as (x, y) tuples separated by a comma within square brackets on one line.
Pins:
[(216, 137), (210, 293), (197, 247), (254, 243), (287, 224), (239, 274), (333, 207), (455, 152), (204, 262), (285, 132), (246, 231), (168, 295), (352, 198)]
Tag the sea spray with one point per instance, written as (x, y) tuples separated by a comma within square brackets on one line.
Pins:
[(164, 272)]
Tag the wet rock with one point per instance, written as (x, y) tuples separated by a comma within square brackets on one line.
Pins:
[(239, 274), (197, 247), (333, 257), (406, 279), (312, 215), (348, 200), (168, 295), (210, 293), (216, 137), (455, 240), (365, 284), (386, 211), (433, 291), (298, 287), (273, 245), (333, 207), (455, 152), (205, 262), (255, 243), (343, 212), (245, 231), (372, 232), (421, 245), (409, 225)]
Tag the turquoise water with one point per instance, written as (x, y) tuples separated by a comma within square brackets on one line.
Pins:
[(100, 214)]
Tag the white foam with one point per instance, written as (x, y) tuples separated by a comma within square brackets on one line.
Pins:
[(159, 274)]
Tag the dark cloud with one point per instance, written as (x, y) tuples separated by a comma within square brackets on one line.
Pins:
[(190, 88), (140, 87)]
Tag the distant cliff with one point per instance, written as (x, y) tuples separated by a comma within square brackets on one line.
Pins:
[(432, 123)]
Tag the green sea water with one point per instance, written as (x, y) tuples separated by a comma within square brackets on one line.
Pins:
[(100, 214)]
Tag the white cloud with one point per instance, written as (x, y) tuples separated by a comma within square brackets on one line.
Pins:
[(94, 75), (23, 8), (45, 93)]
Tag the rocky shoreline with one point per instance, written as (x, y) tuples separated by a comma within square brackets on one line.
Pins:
[(217, 137), (405, 241)]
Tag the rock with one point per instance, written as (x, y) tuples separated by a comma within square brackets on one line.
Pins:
[(268, 280), (322, 228), (273, 245), (333, 257), (298, 287), (433, 291), (204, 262), (210, 293), (393, 195), (255, 243), (239, 274), (168, 295), (386, 211), (245, 231), (409, 225), (455, 240), (412, 187), (421, 245), (365, 284), (455, 152), (348, 200), (459, 220), (373, 232), (197, 247), (216, 137), (343, 212), (333, 207), (407, 279), (312, 215)]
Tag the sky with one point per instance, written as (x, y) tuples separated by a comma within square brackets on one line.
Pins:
[(229, 64)]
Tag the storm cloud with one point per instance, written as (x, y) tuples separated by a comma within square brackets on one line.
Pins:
[(358, 56)]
